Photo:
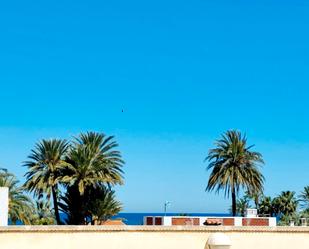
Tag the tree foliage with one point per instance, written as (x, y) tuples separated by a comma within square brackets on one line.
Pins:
[(43, 214), (93, 160), (304, 198), (234, 166), (265, 207), (20, 205), (94, 165), (285, 204), (78, 175), (96, 204), (242, 205), (44, 170)]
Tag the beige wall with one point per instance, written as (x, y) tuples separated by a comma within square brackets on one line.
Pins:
[(137, 237)]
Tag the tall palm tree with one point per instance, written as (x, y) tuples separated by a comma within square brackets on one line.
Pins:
[(234, 165), (92, 162), (304, 198), (72, 205), (20, 205), (44, 170)]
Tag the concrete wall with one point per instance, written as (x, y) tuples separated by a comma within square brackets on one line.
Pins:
[(4, 206), (155, 237), (199, 221)]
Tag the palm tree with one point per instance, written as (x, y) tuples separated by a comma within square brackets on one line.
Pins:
[(103, 204), (92, 162), (265, 206), (285, 220), (73, 207), (44, 170), (20, 205), (285, 204), (43, 214), (242, 205), (234, 166), (304, 198), (255, 196), (99, 204)]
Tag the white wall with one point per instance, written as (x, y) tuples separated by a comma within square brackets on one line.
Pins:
[(4, 206), (154, 237)]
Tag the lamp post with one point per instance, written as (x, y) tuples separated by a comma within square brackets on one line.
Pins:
[(219, 241), (166, 204)]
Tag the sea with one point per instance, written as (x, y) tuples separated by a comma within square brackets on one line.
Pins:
[(137, 218)]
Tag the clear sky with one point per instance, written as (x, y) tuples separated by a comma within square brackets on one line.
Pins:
[(182, 71)]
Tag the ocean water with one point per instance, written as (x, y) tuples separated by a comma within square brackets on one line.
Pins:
[(137, 218)]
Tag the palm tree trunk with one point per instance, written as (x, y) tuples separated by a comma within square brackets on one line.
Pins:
[(55, 201), (257, 203), (233, 202)]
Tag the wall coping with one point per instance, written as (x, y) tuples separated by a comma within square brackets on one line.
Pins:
[(127, 228)]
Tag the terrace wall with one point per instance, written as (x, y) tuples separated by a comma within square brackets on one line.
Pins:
[(150, 237), (199, 221)]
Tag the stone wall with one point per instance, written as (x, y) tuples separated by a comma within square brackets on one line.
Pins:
[(149, 237)]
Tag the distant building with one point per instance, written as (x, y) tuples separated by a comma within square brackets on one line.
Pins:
[(251, 219)]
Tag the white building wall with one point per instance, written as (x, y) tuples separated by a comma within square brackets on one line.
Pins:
[(167, 221), (237, 221), (272, 221), (202, 220), (4, 206)]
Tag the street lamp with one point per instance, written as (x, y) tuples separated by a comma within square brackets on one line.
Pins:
[(166, 204), (219, 241)]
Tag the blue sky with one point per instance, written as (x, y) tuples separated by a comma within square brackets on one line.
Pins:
[(182, 71)]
